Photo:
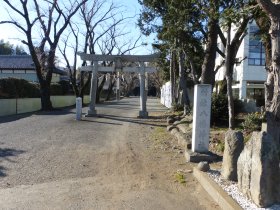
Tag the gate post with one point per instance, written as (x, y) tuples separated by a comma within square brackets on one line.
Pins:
[(93, 89), (118, 87), (143, 110), (146, 86)]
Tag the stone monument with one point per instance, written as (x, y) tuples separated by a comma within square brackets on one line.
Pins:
[(201, 125)]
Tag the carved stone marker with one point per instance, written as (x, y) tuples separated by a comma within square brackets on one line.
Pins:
[(201, 118)]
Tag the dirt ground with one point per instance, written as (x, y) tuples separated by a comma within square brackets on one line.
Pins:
[(115, 161)]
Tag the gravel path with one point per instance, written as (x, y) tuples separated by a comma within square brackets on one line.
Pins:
[(51, 161)]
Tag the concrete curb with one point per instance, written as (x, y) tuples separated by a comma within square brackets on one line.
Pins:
[(214, 190)]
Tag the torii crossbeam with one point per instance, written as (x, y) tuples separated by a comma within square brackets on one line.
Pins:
[(118, 67)]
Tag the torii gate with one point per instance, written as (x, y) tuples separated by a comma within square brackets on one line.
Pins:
[(118, 59)]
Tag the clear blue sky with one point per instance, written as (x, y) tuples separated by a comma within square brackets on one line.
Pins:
[(131, 7)]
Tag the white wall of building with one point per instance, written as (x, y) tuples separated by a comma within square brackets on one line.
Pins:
[(245, 76)]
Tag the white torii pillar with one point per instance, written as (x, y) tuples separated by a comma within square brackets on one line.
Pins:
[(118, 94), (93, 89), (146, 84), (143, 109)]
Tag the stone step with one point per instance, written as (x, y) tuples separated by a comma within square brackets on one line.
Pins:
[(184, 140)]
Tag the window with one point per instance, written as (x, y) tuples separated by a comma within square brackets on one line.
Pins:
[(7, 71), (18, 71), (256, 48), (256, 94)]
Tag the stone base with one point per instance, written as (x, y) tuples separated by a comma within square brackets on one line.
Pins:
[(91, 113), (118, 96), (143, 114), (196, 157)]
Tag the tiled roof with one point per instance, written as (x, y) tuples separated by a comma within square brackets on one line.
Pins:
[(21, 62), (16, 62)]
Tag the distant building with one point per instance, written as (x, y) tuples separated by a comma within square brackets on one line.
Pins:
[(22, 67), (249, 75)]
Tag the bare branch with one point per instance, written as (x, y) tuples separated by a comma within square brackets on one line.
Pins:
[(222, 36), (220, 52), (14, 23), (269, 7), (14, 8), (219, 66)]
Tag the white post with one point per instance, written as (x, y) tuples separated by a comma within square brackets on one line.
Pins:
[(201, 118), (118, 87), (93, 89), (243, 89), (146, 86), (78, 108), (143, 111)]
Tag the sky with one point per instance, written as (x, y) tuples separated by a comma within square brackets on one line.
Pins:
[(131, 8)]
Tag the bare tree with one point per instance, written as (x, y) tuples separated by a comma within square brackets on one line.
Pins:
[(208, 66), (234, 15), (272, 106), (99, 30), (42, 34)]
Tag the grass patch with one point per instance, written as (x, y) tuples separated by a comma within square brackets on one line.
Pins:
[(180, 177), (159, 135), (221, 146)]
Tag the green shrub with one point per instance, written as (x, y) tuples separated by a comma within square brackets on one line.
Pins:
[(252, 122), (65, 87), (56, 89), (219, 109), (18, 88), (176, 107), (238, 106)]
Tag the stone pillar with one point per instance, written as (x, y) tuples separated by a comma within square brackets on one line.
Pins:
[(243, 89), (93, 89), (146, 86), (143, 111), (201, 118), (118, 87)]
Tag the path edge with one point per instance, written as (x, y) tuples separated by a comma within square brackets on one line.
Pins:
[(214, 190)]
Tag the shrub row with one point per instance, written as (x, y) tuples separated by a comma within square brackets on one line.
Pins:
[(219, 109), (20, 88)]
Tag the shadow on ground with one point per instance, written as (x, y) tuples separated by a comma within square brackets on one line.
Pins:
[(147, 121), (11, 118), (6, 154), (62, 111), (58, 111)]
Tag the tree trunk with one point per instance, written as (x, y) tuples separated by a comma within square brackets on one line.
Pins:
[(272, 105), (208, 66), (172, 77), (231, 119), (100, 88), (183, 84), (229, 71), (45, 90), (110, 89), (273, 83)]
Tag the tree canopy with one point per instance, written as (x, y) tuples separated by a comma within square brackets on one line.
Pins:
[(6, 48)]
